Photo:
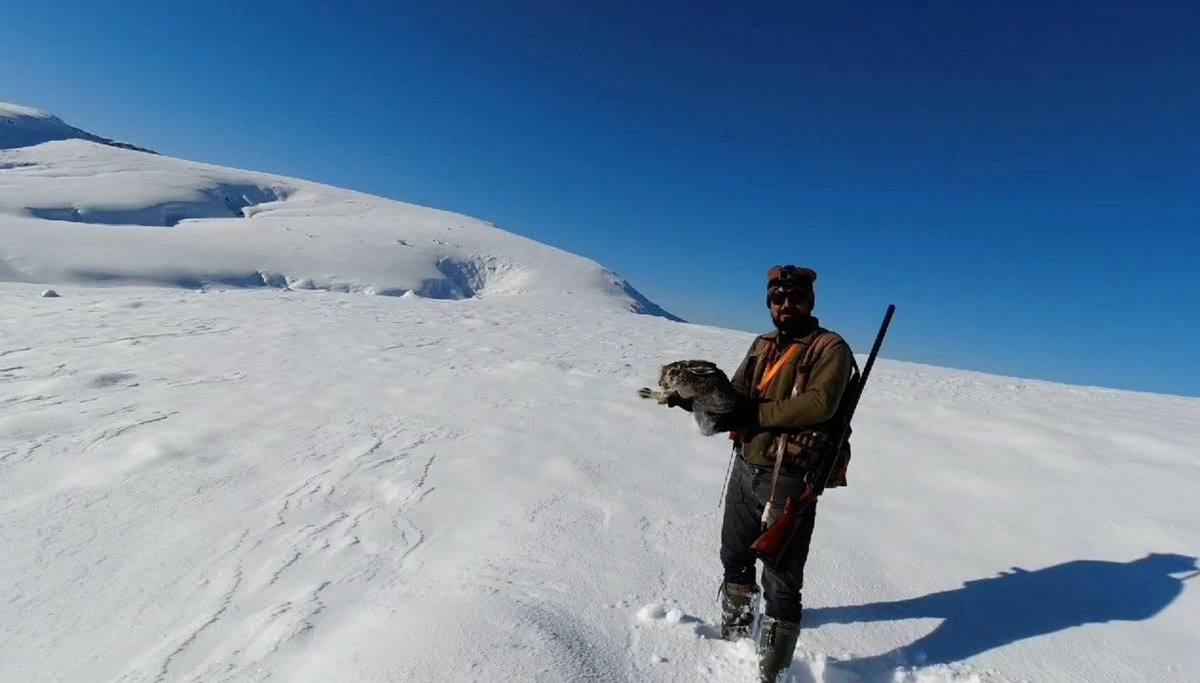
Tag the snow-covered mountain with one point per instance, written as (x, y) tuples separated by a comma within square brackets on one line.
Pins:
[(75, 208), (26, 126), (280, 484)]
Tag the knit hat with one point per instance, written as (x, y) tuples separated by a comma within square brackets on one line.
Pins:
[(779, 276)]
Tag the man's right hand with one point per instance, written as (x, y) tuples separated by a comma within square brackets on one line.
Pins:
[(743, 416)]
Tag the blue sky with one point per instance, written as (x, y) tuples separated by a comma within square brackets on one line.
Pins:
[(1020, 179)]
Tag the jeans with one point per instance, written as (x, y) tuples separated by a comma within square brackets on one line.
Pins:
[(747, 494)]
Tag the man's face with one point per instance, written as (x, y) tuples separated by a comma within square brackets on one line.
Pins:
[(789, 304)]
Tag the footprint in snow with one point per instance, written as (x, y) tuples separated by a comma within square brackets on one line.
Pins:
[(655, 613)]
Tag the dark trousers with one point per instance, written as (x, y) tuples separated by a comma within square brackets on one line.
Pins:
[(747, 494)]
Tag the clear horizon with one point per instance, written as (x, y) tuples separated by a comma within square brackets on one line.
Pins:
[(1019, 181)]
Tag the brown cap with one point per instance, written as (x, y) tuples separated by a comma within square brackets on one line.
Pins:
[(783, 275)]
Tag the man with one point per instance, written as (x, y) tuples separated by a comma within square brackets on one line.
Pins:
[(792, 381)]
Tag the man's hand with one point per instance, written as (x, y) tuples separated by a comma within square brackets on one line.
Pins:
[(743, 415), (676, 401)]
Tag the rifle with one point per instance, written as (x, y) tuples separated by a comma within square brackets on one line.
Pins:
[(773, 543)]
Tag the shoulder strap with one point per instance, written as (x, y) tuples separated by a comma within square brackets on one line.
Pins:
[(761, 345), (824, 341)]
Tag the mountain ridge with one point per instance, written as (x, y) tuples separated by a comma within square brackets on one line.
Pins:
[(22, 126)]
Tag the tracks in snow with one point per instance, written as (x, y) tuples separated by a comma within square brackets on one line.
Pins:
[(334, 531)]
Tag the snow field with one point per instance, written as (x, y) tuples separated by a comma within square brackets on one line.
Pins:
[(308, 486)]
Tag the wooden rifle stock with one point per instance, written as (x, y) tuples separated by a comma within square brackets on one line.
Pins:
[(770, 546), (774, 541)]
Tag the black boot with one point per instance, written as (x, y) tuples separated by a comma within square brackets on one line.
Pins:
[(737, 610), (776, 645)]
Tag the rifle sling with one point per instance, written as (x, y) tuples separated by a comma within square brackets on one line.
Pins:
[(780, 452)]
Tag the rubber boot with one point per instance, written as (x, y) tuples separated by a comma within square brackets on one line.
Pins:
[(737, 610), (776, 645)]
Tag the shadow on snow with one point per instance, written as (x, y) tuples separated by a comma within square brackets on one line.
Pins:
[(1015, 605)]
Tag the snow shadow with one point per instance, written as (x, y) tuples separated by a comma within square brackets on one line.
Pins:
[(645, 306), (185, 280), (222, 201), (1018, 604)]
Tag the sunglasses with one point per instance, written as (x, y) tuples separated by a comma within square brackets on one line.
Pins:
[(777, 297)]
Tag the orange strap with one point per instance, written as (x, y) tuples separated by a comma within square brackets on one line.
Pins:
[(769, 375), (774, 369)]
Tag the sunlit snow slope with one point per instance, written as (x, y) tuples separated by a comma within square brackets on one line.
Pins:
[(76, 209)]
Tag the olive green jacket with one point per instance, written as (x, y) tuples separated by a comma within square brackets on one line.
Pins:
[(779, 411)]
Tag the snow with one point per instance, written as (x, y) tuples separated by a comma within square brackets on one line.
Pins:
[(279, 483)]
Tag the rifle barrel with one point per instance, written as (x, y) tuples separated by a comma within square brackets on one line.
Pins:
[(862, 382), (825, 471)]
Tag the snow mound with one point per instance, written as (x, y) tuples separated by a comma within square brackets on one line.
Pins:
[(75, 209)]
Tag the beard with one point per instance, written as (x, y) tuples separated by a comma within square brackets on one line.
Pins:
[(792, 320)]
